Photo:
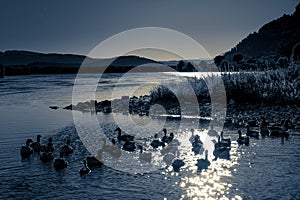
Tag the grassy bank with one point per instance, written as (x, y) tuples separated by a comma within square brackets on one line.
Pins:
[(271, 87)]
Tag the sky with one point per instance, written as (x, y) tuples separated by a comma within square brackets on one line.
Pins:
[(79, 26)]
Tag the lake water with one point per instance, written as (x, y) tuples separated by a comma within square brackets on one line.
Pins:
[(269, 168)]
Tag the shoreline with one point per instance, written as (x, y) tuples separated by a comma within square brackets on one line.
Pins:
[(236, 114)]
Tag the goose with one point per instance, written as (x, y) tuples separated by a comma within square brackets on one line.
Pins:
[(251, 132), (192, 138), (67, 149), (113, 150), (147, 157), (212, 132), (197, 145), (264, 131), (168, 158), (36, 146), (129, 146), (26, 151), (123, 137), (169, 138), (156, 142), (49, 147), (60, 163), (226, 142), (242, 140), (277, 131), (169, 149), (95, 162), (174, 142), (47, 154), (221, 152), (177, 164), (85, 169), (221, 144), (203, 163), (164, 138)]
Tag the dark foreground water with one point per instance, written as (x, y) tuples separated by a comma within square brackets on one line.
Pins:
[(269, 168)]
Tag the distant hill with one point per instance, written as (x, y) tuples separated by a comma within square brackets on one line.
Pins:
[(26, 58), (277, 37), (26, 62)]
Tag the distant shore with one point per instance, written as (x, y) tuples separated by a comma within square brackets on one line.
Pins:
[(274, 94), (237, 114)]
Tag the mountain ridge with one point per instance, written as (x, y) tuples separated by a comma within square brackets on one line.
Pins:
[(277, 37)]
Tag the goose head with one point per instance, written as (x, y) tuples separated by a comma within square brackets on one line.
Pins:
[(192, 130), (68, 142), (165, 131), (28, 142), (85, 163), (38, 138), (140, 147), (240, 133), (206, 154), (172, 135), (113, 141)]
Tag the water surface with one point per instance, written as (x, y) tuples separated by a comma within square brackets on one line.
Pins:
[(266, 169)]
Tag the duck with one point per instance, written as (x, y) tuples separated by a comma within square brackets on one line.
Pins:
[(252, 132), (129, 146), (156, 142), (26, 151), (67, 149), (60, 163), (147, 157), (85, 169), (113, 150), (203, 163), (177, 164), (242, 140), (36, 146), (123, 137)]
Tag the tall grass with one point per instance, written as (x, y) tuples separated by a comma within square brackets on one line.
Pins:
[(279, 86)]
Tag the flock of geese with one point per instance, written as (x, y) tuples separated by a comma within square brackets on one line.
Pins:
[(168, 146)]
